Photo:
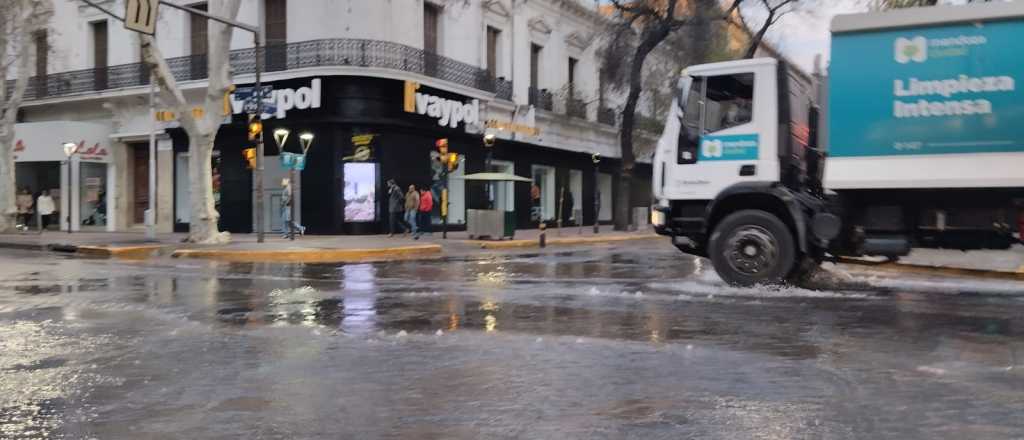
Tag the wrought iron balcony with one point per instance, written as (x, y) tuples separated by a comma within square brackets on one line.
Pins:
[(606, 116), (315, 53), (576, 108), (541, 98)]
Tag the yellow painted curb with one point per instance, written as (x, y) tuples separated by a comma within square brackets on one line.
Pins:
[(1020, 269), (311, 255), (933, 270), (560, 241), (125, 252)]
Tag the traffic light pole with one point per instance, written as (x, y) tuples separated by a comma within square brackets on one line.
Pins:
[(258, 172)]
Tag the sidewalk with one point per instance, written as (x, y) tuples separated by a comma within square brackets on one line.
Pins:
[(307, 249), (1001, 264)]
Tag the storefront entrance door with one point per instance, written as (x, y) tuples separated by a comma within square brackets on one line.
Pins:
[(140, 184)]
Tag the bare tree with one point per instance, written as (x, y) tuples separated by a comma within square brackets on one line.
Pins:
[(776, 9), (201, 127), (643, 25), (19, 20)]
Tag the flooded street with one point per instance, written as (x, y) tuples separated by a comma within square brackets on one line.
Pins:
[(635, 342)]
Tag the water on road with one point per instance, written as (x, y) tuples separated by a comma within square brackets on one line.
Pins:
[(636, 342)]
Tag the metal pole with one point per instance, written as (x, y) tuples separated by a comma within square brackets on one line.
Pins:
[(67, 215), (597, 201), (151, 214), (444, 199), (259, 141), (291, 202)]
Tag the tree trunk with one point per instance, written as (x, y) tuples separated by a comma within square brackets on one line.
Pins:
[(202, 130), (623, 204), (755, 41), (203, 226), (18, 30)]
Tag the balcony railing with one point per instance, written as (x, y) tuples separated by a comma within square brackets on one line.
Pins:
[(315, 53), (576, 108), (606, 116), (541, 98)]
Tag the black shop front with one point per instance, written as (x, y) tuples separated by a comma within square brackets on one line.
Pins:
[(371, 130)]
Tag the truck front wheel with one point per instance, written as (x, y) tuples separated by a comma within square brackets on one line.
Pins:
[(752, 247)]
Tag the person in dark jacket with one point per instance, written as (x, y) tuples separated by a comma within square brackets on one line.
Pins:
[(396, 211)]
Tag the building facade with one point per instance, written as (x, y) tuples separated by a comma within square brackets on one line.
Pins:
[(376, 83)]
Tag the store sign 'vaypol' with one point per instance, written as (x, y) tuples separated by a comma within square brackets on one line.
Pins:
[(949, 89), (302, 98), (448, 112)]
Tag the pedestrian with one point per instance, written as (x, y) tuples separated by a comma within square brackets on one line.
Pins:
[(396, 211), (425, 208), (412, 207), (568, 207), (23, 201), (46, 208), (290, 226)]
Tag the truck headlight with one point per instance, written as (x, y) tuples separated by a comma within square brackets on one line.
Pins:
[(657, 217)]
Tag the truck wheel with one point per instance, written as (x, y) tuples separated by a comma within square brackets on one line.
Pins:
[(752, 247)]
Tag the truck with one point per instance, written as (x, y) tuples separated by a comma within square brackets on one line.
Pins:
[(913, 139)]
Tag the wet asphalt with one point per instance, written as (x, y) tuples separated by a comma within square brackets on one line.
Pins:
[(628, 342)]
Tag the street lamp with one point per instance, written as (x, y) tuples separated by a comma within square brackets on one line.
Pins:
[(489, 139), (70, 148), (305, 140), (596, 158)]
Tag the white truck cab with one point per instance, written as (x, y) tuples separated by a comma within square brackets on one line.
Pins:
[(925, 147)]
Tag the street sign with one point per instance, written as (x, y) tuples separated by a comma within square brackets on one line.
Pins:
[(140, 15)]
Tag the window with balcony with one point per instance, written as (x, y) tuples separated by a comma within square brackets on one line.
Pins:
[(431, 18), (535, 52), (275, 17), (574, 106), (198, 43), (99, 52), (40, 38), (493, 37)]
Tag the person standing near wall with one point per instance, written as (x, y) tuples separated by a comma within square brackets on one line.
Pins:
[(290, 227), (426, 206), (24, 205), (46, 208), (412, 206), (396, 211)]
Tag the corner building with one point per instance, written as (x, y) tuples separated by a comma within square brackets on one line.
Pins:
[(376, 83)]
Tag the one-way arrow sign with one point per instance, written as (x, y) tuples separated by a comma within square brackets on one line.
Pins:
[(140, 15)]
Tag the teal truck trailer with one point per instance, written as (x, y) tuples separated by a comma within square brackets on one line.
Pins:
[(915, 138)]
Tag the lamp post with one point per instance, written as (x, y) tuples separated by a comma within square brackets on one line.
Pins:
[(489, 140), (70, 148), (596, 158), (305, 140)]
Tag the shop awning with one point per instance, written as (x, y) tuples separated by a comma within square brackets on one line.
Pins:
[(494, 177)]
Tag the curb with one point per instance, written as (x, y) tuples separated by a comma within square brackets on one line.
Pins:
[(123, 252), (559, 241), (944, 270), (312, 255)]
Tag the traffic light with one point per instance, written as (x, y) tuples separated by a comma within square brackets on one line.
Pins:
[(453, 161), (250, 157), (442, 146), (255, 127)]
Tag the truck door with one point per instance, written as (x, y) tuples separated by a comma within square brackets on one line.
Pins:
[(719, 136)]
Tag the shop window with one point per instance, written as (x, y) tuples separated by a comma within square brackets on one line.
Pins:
[(360, 192), (604, 189), (93, 194), (503, 193), (543, 193), (576, 189), (493, 36)]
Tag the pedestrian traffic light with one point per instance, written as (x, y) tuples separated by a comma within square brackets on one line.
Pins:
[(442, 146), (255, 127), (453, 161), (250, 157)]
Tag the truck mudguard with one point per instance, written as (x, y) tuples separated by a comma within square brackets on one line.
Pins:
[(771, 197)]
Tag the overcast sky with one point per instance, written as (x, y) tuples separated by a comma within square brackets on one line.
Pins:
[(803, 34)]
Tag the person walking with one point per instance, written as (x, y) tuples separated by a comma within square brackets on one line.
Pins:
[(290, 226), (396, 211), (412, 206), (46, 208), (426, 206), (23, 201)]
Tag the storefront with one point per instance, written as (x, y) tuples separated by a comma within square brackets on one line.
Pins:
[(41, 165), (368, 131)]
